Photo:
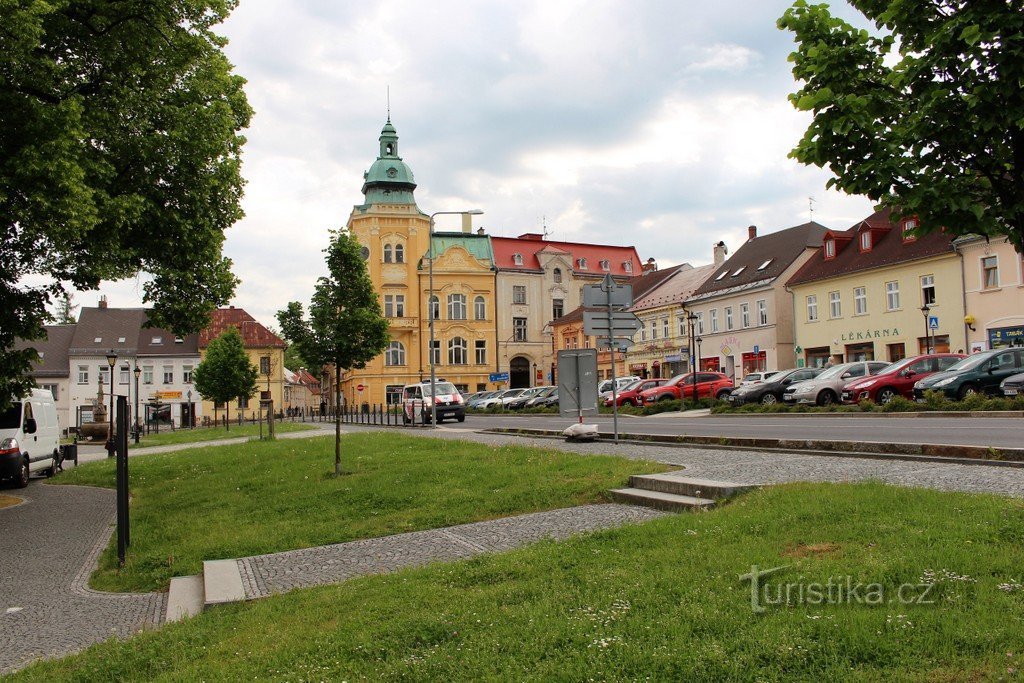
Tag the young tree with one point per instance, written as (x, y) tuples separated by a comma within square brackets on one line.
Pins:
[(120, 153), (937, 133), (346, 327), (65, 314), (226, 373)]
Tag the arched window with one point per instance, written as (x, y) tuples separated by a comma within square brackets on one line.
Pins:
[(395, 355), (457, 351), (581, 263), (479, 308), (605, 265), (517, 259), (387, 253), (456, 306), (433, 308), (399, 253), (557, 274)]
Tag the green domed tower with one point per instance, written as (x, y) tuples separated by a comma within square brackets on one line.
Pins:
[(389, 180)]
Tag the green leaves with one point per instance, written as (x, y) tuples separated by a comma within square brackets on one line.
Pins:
[(226, 372)]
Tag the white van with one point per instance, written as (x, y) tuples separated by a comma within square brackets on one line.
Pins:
[(29, 437), (416, 398)]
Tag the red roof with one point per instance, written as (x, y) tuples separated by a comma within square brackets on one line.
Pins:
[(254, 334), (530, 244)]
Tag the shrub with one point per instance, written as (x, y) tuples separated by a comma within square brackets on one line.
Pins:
[(899, 405)]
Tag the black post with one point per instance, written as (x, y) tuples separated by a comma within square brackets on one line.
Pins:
[(121, 446)]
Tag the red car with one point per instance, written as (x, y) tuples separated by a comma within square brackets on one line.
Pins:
[(709, 384), (898, 379), (629, 394)]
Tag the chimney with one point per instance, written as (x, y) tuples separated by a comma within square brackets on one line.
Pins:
[(103, 300), (751, 232), (720, 251), (467, 223), (650, 266), (480, 230)]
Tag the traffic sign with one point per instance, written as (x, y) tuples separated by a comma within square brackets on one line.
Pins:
[(757, 349), (933, 322), (598, 295), (619, 322), (359, 387), (621, 343), (498, 377)]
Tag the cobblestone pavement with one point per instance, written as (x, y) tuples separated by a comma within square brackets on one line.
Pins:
[(774, 467), (264, 575), (48, 547)]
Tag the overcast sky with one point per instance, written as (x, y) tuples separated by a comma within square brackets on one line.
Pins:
[(660, 124)]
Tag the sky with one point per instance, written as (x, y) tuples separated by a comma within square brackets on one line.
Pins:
[(654, 123)]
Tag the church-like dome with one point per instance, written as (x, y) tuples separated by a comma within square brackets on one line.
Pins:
[(389, 179)]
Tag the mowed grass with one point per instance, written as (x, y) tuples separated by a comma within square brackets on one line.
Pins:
[(262, 497), (660, 601), (167, 438)]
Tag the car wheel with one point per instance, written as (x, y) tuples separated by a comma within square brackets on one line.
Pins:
[(769, 399), (462, 418), (967, 390), (721, 395), (52, 471), (628, 402), (665, 397), (826, 398), (23, 475), (885, 395)]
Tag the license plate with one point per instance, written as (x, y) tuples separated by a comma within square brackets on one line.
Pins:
[(1010, 392)]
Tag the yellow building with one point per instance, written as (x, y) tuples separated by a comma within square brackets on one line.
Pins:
[(396, 239), (878, 292)]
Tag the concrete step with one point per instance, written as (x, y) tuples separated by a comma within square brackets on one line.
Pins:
[(222, 582), (670, 502), (186, 598), (687, 486)]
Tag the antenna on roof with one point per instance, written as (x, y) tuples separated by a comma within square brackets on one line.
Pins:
[(389, 102), (810, 207), (544, 225)]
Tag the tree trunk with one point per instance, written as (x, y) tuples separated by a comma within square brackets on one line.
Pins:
[(270, 420), (337, 420)]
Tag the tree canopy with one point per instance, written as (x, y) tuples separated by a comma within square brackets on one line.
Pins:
[(120, 153), (226, 373), (928, 118)]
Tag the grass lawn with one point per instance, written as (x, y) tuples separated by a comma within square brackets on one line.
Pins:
[(166, 438), (262, 497), (661, 601)]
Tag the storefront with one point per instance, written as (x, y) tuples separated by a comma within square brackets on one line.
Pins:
[(858, 352), (999, 337), (710, 364), (817, 357), (755, 362), (638, 369)]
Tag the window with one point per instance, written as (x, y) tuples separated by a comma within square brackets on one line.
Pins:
[(765, 264), (120, 340), (457, 351), (435, 352), (865, 241), (722, 274), (581, 263), (643, 333), (52, 388), (479, 308), (264, 365), (738, 271), (835, 305), (654, 330), (433, 308), (990, 272), (745, 315), (394, 306), (147, 374), (243, 403), (98, 340), (860, 300), (556, 274), (627, 266), (830, 249), (387, 253), (557, 308), (681, 318), (481, 352), (179, 340), (892, 296), (928, 290), (123, 374), (605, 265), (728, 317), (517, 259), (519, 329), (519, 294), (700, 323), (186, 374), (104, 374), (399, 253), (157, 341), (169, 374), (456, 306), (762, 312), (83, 374), (908, 230), (664, 328), (714, 320), (395, 354), (812, 308)]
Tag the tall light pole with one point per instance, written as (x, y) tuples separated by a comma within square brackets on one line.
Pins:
[(927, 334), (430, 305), (191, 422), (691, 319), (111, 361), (137, 372)]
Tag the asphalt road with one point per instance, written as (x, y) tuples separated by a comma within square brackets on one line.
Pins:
[(975, 431)]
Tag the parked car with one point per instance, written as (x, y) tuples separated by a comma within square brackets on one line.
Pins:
[(417, 398), (757, 377), (500, 398), (1012, 386), (898, 379), (629, 395), (770, 391), (29, 437), (980, 373), (549, 401), (520, 401), (546, 393), (826, 388), (604, 389), (709, 384), (475, 400)]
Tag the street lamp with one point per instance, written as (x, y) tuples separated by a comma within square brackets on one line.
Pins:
[(430, 305), (111, 361), (137, 372), (691, 320), (191, 422), (927, 335)]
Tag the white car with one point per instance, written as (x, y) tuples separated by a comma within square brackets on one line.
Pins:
[(604, 389), (757, 377), (29, 437), (500, 399)]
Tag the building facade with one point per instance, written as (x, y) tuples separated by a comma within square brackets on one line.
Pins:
[(870, 292), (993, 277), (52, 371)]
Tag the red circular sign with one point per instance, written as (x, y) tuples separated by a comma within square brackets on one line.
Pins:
[(359, 387)]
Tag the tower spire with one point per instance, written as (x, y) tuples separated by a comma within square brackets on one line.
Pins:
[(389, 104)]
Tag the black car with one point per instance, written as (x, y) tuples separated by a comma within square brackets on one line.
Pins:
[(770, 391)]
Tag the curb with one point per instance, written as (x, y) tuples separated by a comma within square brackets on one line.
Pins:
[(933, 413)]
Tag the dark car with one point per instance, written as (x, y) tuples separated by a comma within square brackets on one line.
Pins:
[(549, 401), (541, 397), (1013, 386), (898, 379), (980, 373), (770, 390), (520, 401)]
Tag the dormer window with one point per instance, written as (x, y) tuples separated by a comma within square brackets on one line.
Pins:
[(908, 230), (865, 241), (157, 340), (722, 274), (830, 248), (627, 266), (581, 263), (739, 270), (517, 259), (98, 340), (605, 265), (179, 340), (765, 264)]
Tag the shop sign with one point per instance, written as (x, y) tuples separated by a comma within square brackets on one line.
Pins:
[(675, 358), (868, 335), (1006, 336), (168, 394), (637, 366)]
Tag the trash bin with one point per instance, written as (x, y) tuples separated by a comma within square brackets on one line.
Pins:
[(69, 451)]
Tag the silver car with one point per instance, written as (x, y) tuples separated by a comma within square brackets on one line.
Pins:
[(826, 388)]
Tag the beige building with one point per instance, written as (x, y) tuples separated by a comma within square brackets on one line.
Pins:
[(744, 312), (993, 277), (870, 292)]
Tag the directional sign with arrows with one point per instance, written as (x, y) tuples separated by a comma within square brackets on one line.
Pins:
[(622, 323)]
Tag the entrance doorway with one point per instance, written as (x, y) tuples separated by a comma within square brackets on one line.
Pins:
[(519, 373)]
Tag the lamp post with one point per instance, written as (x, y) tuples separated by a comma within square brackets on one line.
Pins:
[(191, 422), (691, 320), (137, 372), (430, 304), (111, 361), (927, 335)]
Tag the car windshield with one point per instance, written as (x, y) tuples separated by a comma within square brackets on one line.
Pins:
[(11, 418), (897, 366), (546, 391), (752, 377), (443, 389), (632, 385), (970, 362), (677, 379), (835, 371)]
